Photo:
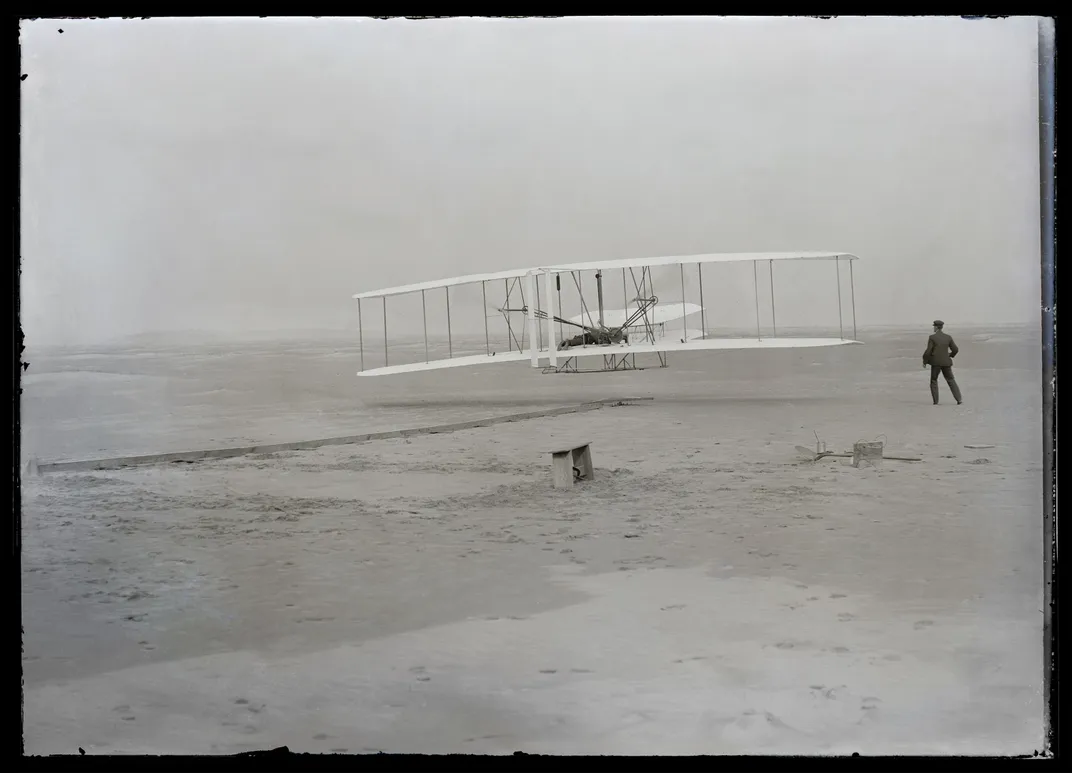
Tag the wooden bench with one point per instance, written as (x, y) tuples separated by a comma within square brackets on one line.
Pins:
[(571, 464)]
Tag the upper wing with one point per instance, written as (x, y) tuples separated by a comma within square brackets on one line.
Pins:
[(672, 260), (440, 283)]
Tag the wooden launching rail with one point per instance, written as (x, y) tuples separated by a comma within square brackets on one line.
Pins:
[(35, 467)]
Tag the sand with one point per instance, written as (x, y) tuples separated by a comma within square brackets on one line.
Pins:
[(708, 592)]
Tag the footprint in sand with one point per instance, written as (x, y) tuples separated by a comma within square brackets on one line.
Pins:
[(672, 606), (840, 650), (921, 624), (548, 670), (124, 709), (580, 671), (689, 660), (241, 702), (845, 617), (837, 595)]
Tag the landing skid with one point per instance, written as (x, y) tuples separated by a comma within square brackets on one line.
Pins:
[(611, 363)]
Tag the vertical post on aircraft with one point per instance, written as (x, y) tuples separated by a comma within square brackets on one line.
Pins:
[(599, 296), (852, 293), (703, 318), (650, 284), (385, 330), (575, 275), (684, 325), (552, 347), (841, 323), (450, 344), (539, 329), (530, 285), (424, 316), (484, 296), (558, 288), (360, 334), (773, 316), (506, 305), (755, 286)]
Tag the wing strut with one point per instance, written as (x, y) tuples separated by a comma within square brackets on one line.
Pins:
[(530, 281), (580, 295), (539, 328), (599, 296), (558, 289), (552, 348), (774, 318), (450, 344), (684, 326), (484, 295), (509, 330), (703, 319), (755, 285), (385, 330), (852, 291), (360, 334), (837, 267), (424, 316)]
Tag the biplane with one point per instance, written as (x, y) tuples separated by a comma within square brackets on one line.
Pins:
[(537, 330)]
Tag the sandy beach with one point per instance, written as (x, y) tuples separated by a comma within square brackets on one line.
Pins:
[(709, 592)]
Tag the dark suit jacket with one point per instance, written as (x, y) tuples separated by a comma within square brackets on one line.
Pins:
[(941, 349)]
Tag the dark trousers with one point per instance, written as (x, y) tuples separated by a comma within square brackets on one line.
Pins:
[(947, 371)]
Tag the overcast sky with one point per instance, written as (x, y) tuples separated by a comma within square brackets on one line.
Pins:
[(254, 174)]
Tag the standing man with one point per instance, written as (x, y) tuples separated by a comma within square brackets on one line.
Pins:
[(941, 349)]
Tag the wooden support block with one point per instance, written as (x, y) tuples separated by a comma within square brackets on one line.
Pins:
[(564, 460)]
